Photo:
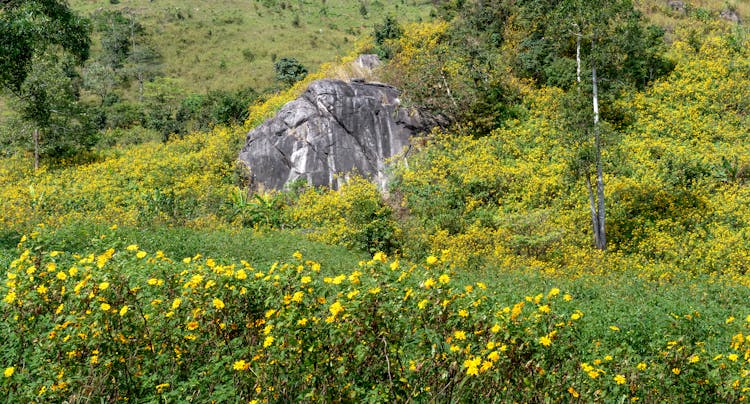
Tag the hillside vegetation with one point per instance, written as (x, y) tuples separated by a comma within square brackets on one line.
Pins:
[(233, 44), (147, 271)]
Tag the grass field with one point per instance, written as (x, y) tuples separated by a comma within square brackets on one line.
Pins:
[(232, 44)]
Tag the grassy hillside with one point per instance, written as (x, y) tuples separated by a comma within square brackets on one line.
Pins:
[(233, 44)]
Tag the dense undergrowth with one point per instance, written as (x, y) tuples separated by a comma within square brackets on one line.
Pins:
[(127, 322)]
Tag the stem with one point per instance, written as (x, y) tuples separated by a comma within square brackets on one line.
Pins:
[(388, 363), (36, 149)]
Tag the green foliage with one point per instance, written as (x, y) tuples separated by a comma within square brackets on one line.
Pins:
[(289, 71), (380, 330), (29, 29), (355, 216), (383, 34), (50, 103), (117, 33)]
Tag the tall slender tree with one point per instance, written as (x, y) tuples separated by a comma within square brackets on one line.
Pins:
[(612, 48)]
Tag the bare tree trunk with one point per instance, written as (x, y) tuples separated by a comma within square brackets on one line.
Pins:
[(578, 58), (601, 239), (36, 149), (140, 87), (592, 207)]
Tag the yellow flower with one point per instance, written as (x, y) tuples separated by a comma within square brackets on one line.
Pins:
[(493, 356), (379, 256), (61, 276), (240, 274), (103, 285), (576, 316), (431, 260), (495, 328), (176, 303), (694, 358), (614, 328), (472, 366), (730, 320), (732, 357), (459, 335), (429, 283), (140, 254), (544, 309), (608, 358), (336, 308), (481, 285), (567, 297), (573, 392), (593, 374), (305, 280), (620, 379), (486, 365), (444, 278), (297, 297), (41, 289), (192, 325), (218, 304), (641, 366), (394, 265), (545, 341), (297, 255), (160, 387), (517, 308), (105, 307), (240, 365), (676, 371), (302, 322), (123, 310), (132, 247), (422, 304), (9, 371), (153, 281), (463, 313), (268, 341)]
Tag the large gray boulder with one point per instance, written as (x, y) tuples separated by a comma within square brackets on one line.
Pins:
[(334, 128)]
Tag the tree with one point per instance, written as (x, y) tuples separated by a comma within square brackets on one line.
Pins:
[(28, 28), (382, 33), (49, 99), (611, 50), (289, 71), (41, 41), (117, 36)]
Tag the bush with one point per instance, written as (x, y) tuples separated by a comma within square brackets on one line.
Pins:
[(289, 71), (354, 216)]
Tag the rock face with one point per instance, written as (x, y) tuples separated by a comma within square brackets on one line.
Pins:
[(332, 129), (730, 15)]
